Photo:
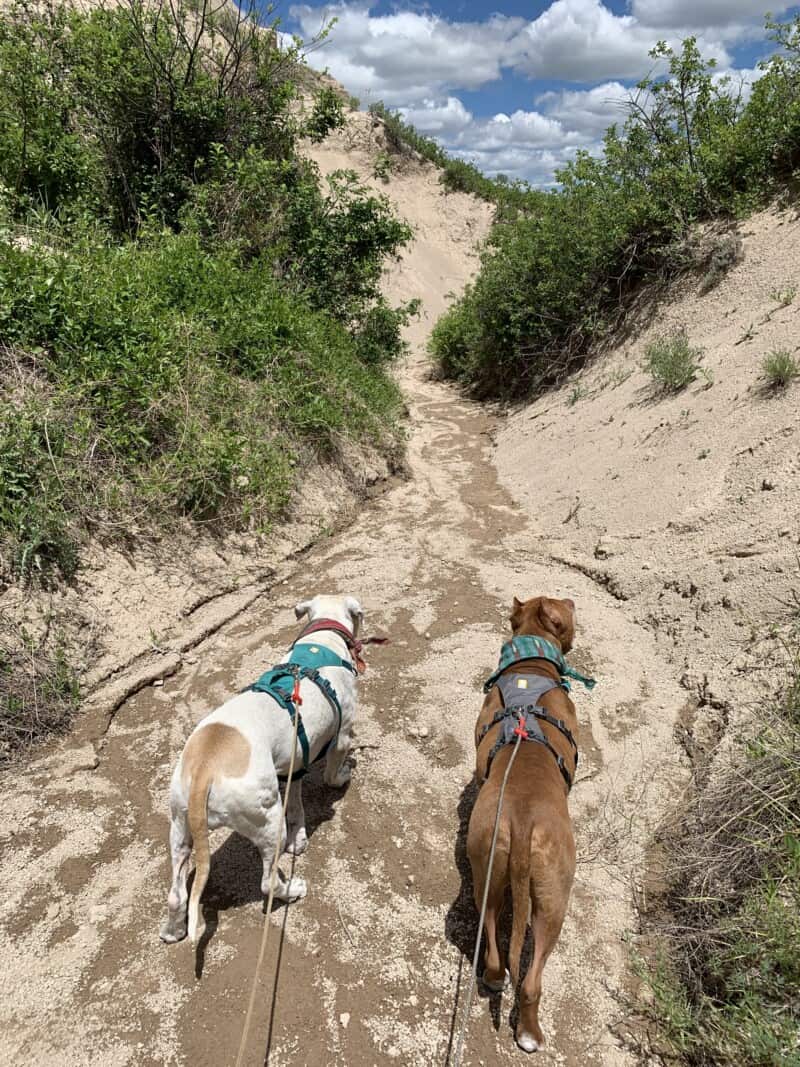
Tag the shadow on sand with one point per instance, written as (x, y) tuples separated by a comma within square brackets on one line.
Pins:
[(236, 867)]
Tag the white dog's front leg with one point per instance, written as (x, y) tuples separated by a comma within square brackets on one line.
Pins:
[(337, 770), (296, 839)]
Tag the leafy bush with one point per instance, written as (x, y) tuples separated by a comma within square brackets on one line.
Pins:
[(780, 368), (190, 315), (671, 361), (556, 274)]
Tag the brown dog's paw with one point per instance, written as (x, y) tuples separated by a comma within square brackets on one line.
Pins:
[(496, 987)]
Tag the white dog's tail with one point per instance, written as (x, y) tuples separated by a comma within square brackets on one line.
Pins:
[(198, 825)]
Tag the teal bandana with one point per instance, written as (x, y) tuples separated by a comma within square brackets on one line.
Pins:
[(526, 647)]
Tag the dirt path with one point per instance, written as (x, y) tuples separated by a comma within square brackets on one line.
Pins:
[(369, 966)]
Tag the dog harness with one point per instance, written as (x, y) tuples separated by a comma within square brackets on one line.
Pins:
[(521, 712), (525, 647), (305, 661)]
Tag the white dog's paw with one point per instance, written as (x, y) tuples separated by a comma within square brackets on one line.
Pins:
[(341, 778), (296, 846), (527, 1042), (171, 932), (296, 889)]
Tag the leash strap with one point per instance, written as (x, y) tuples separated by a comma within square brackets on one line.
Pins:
[(354, 645)]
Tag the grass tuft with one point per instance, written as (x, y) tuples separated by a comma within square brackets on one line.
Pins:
[(672, 362), (724, 985), (780, 368)]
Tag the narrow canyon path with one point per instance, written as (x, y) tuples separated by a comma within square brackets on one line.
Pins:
[(369, 968)]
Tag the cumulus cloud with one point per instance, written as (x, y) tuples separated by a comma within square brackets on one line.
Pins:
[(589, 111), (582, 41), (443, 118), (407, 57), (694, 14), (418, 62)]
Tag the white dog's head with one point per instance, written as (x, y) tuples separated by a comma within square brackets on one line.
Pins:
[(344, 609)]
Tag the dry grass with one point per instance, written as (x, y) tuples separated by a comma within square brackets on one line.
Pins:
[(38, 688), (724, 979)]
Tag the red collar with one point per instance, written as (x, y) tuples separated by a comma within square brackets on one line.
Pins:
[(354, 646)]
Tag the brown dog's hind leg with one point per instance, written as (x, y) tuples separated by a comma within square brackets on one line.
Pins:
[(494, 974), (551, 881)]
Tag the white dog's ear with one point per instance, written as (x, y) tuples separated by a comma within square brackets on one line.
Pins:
[(355, 611), (302, 608)]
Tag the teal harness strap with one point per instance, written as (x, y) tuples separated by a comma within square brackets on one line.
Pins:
[(305, 661), (526, 646)]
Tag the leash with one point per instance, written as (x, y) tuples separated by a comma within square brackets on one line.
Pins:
[(273, 879), (522, 734)]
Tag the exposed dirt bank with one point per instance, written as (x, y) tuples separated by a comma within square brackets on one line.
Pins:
[(686, 508)]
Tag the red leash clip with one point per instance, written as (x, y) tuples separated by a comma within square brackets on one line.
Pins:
[(296, 698), (520, 730)]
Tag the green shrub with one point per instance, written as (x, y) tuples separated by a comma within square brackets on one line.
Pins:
[(780, 368), (556, 276), (671, 361), (191, 315)]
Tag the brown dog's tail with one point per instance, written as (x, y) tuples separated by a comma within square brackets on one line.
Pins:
[(520, 879), (198, 825)]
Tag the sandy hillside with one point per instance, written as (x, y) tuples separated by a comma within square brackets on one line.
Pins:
[(371, 968), (686, 509)]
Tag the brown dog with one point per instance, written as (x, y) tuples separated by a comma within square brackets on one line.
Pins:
[(535, 850)]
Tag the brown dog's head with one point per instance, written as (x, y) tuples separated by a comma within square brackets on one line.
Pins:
[(554, 620)]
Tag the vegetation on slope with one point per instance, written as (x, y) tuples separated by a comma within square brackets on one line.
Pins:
[(187, 314), (555, 273), (457, 175), (183, 311), (726, 988)]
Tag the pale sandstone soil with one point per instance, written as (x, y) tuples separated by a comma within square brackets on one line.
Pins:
[(436, 562), (686, 507), (371, 965)]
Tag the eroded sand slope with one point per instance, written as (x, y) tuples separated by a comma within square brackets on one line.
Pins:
[(369, 967)]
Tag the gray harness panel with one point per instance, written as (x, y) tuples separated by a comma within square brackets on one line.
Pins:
[(521, 694), (522, 691)]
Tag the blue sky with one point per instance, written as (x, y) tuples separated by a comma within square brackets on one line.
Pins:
[(519, 87)]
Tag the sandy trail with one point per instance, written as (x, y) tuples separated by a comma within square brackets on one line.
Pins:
[(370, 965)]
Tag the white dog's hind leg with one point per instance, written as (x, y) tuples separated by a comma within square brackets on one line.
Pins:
[(265, 840), (337, 770), (180, 843), (296, 839)]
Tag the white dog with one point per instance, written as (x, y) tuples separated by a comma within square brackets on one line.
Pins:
[(228, 772)]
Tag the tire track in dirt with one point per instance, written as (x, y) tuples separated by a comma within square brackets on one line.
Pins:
[(369, 966)]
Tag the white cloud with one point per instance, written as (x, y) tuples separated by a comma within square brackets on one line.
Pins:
[(407, 57), (417, 62), (444, 118), (589, 111), (583, 41), (703, 13)]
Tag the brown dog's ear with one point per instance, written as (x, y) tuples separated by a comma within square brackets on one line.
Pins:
[(515, 618), (558, 620)]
